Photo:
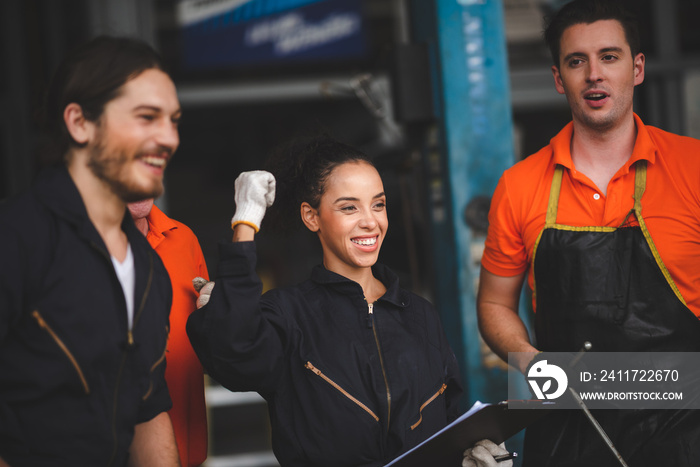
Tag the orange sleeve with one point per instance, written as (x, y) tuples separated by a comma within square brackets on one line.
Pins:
[(505, 253), (202, 266)]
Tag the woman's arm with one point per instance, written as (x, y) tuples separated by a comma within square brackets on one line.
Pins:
[(238, 339)]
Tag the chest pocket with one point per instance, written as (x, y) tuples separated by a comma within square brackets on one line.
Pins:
[(431, 400), (160, 361), (332, 384), (63, 348)]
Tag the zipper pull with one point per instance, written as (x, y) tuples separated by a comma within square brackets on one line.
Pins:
[(370, 312), (315, 370)]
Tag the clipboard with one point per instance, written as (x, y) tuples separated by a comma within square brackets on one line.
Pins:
[(482, 421)]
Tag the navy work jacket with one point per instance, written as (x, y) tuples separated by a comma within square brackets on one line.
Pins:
[(74, 380), (347, 383)]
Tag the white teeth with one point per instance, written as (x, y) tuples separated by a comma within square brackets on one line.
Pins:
[(365, 241), (154, 161)]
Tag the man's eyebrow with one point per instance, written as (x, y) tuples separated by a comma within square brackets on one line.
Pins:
[(610, 49), (601, 51), (572, 55), (155, 108)]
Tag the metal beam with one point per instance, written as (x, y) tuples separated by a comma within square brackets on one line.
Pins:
[(478, 140), (133, 18), (301, 89), (465, 154), (667, 40)]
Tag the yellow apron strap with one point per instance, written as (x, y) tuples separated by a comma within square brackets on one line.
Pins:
[(553, 203), (640, 183)]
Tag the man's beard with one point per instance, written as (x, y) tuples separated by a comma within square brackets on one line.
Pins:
[(609, 120), (600, 124), (107, 166)]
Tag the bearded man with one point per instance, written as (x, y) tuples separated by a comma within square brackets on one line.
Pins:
[(84, 300)]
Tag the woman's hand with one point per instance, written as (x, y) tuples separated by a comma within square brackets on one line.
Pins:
[(255, 192)]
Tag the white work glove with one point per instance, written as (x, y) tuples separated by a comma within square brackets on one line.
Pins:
[(204, 287), (482, 454), (255, 192)]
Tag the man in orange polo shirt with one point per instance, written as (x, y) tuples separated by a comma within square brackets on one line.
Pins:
[(605, 223), (182, 256)]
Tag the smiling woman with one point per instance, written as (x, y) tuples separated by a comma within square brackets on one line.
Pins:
[(350, 220), (355, 369)]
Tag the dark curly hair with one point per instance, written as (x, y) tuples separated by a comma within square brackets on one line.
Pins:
[(587, 12), (301, 169)]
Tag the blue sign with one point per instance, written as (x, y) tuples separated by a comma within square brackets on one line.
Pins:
[(229, 33)]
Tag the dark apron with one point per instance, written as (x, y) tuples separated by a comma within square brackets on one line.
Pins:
[(609, 286)]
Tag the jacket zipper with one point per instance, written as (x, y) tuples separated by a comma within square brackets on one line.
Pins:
[(44, 325), (426, 403), (381, 362), (130, 343), (115, 439), (142, 305), (318, 372)]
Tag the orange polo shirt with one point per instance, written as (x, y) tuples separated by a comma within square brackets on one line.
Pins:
[(179, 249), (670, 205)]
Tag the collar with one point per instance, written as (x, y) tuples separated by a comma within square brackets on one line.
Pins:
[(394, 294), (56, 190), (644, 147), (158, 226)]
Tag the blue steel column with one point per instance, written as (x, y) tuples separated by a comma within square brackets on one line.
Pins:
[(475, 145)]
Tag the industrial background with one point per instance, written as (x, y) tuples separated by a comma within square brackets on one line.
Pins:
[(444, 94)]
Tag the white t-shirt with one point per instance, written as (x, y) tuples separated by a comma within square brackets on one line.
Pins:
[(127, 276)]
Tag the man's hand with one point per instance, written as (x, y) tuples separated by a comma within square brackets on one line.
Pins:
[(255, 192), (483, 455), (204, 287)]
